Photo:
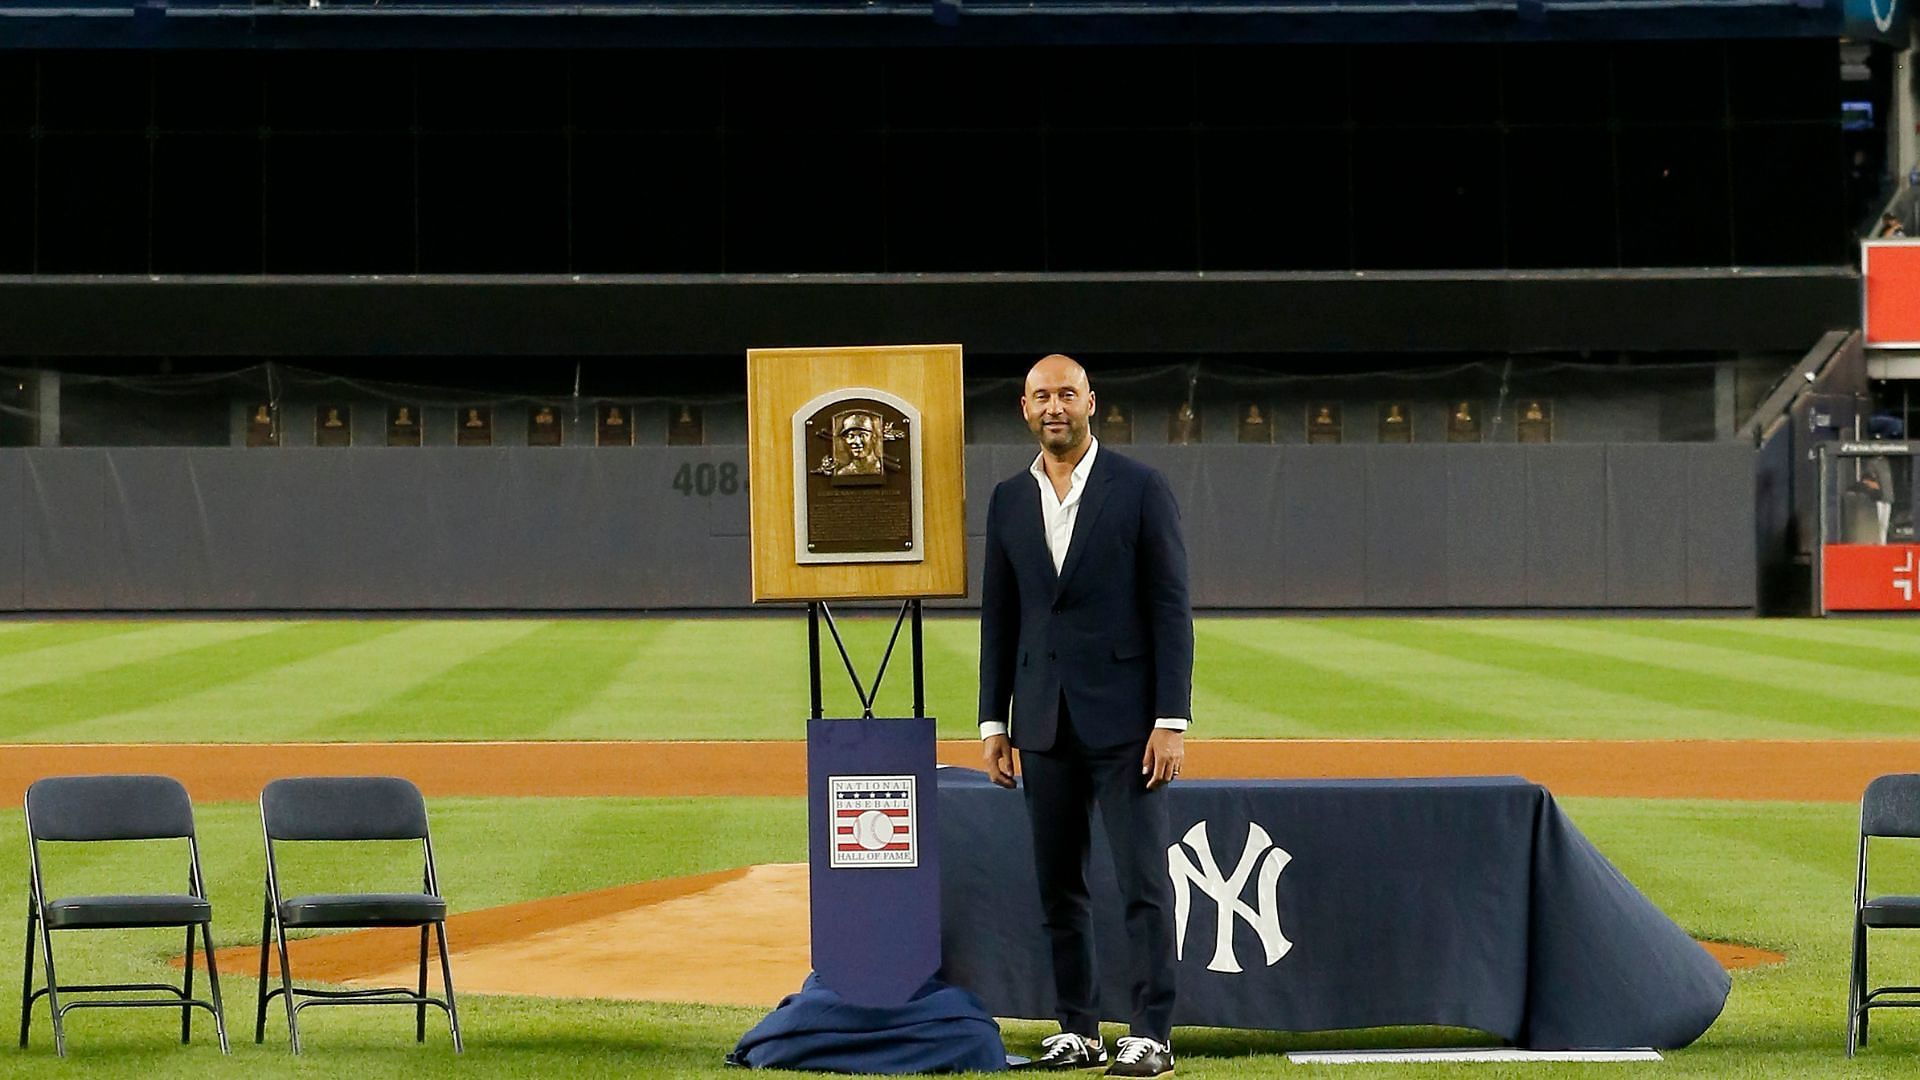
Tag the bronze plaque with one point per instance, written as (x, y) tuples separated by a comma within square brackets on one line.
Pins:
[(1256, 423), (1323, 422), (1535, 423), (686, 426), (1463, 422), (1116, 424), (263, 426), (1396, 422), (859, 495), (1183, 425), (544, 427), (332, 425), (613, 425), (475, 427), (403, 425)]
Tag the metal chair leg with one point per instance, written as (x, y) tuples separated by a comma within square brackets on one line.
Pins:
[(286, 986), (53, 993), (186, 993), (1866, 1013), (1853, 988), (260, 1014), (446, 979), (213, 987), (420, 1010), (26, 981)]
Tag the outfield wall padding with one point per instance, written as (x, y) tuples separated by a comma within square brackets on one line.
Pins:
[(1334, 527)]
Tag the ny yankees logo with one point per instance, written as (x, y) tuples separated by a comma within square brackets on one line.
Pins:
[(1260, 851)]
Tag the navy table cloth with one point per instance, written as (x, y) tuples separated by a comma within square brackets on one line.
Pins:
[(1308, 905)]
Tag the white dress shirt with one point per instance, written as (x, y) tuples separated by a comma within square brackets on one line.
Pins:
[(1057, 516)]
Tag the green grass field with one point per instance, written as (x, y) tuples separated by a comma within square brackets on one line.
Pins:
[(1776, 875), (349, 680)]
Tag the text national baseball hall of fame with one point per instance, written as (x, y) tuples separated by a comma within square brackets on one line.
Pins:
[(873, 821)]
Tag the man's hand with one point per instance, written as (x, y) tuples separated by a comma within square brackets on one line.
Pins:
[(1166, 749), (998, 750)]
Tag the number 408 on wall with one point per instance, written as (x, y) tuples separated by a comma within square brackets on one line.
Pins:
[(707, 478)]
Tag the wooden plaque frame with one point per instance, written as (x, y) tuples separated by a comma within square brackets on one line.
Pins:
[(779, 383)]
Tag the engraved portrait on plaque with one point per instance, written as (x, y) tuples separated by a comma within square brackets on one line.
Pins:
[(857, 478), (1396, 422), (1463, 423), (263, 427), (1323, 422), (332, 425), (403, 426), (476, 426), (544, 427), (1536, 422)]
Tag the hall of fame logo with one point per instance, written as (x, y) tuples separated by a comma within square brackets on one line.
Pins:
[(873, 821)]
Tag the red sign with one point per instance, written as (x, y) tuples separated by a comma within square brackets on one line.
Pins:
[(1871, 577), (1890, 270)]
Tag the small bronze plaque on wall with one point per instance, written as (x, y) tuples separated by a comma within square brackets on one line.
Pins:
[(263, 426), (1116, 423), (1323, 422), (1256, 423), (403, 425), (1183, 425), (613, 425), (1396, 422), (1535, 423), (475, 427), (544, 427), (1463, 422), (332, 425), (686, 426)]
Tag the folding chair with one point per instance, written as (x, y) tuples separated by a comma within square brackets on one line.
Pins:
[(347, 808), (1890, 808), (107, 808)]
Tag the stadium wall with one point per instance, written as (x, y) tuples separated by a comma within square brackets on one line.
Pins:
[(1320, 527)]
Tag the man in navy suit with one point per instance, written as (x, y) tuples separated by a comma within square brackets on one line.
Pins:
[(1086, 666)]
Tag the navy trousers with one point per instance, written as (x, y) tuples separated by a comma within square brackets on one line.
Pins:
[(1063, 787)]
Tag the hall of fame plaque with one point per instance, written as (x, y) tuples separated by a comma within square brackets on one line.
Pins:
[(857, 478)]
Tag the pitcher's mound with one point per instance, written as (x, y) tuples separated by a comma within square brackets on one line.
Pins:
[(736, 937)]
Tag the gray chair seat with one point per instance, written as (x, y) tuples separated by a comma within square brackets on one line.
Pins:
[(1885, 912), (121, 912), (362, 909)]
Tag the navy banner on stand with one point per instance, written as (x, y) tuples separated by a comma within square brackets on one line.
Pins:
[(873, 835)]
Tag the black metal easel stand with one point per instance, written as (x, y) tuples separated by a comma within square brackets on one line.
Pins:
[(817, 611)]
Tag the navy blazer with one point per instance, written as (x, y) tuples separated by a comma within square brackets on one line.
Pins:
[(1112, 632)]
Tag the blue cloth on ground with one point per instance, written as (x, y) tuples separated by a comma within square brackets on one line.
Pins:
[(941, 1028)]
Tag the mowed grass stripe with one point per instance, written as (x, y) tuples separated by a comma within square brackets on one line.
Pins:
[(1832, 637), (305, 696), (84, 656), (1505, 706), (1767, 711), (1257, 690), (525, 687), (1807, 680), (1735, 637), (697, 679), (17, 638), (40, 712)]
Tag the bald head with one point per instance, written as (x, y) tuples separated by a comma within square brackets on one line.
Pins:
[(1057, 403)]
